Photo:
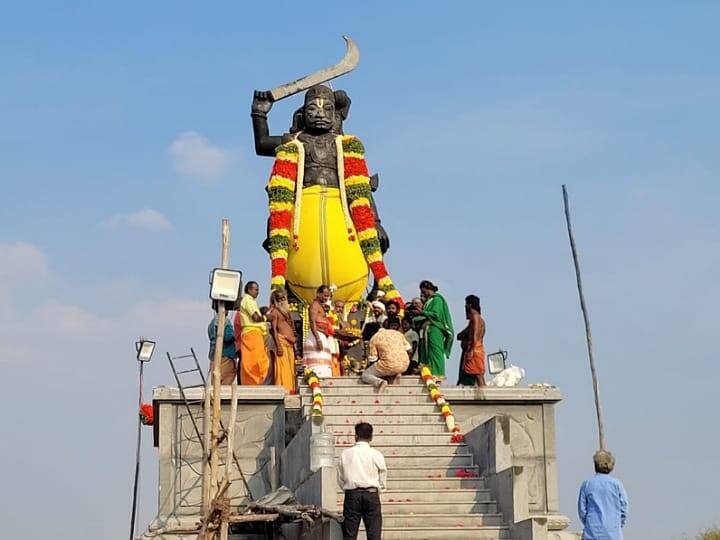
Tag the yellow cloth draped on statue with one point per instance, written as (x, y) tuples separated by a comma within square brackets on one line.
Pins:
[(326, 255)]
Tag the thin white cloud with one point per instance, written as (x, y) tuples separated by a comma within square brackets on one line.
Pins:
[(20, 260), (148, 219), (193, 155)]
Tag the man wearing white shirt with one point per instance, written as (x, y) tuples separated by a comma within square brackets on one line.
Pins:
[(362, 474)]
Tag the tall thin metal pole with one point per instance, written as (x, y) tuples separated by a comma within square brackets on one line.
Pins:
[(588, 335), (137, 457)]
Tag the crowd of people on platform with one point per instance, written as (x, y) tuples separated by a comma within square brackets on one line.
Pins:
[(260, 344)]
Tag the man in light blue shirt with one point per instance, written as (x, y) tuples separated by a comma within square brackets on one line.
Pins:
[(603, 503)]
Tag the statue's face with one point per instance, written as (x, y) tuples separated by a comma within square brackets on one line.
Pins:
[(319, 114)]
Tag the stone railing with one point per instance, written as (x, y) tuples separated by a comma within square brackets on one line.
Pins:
[(511, 433), (259, 442)]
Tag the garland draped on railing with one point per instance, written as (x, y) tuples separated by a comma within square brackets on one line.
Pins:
[(442, 404), (313, 381)]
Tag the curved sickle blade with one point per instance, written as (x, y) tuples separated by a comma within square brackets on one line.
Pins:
[(346, 65)]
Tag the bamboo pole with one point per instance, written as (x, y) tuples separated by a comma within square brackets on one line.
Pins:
[(586, 319), (212, 424), (230, 454), (219, 334)]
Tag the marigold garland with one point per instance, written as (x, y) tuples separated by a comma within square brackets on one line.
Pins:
[(147, 415), (281, 197), (284, 195), (313, 381), (359, 193), (442, 404)]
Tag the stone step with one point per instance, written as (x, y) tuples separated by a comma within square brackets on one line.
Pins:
[(373, 409), (345, 425), (431, 462), (436, 507), (435, 484), (406, 471), (433, 533), (410, 450), (426, 495), (442, 520), (374, 400), (418, 420), (347, 437), (354, 380), (367, 390)]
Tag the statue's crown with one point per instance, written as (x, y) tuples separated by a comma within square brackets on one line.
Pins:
[(320, 91)]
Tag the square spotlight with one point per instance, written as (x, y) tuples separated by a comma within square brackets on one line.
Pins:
[(225, 284), (145, 349), (496, 362)]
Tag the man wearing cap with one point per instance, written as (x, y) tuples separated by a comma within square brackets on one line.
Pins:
[(603, 502)]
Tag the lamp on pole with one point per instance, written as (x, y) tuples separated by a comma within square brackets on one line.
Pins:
[(144, 348)]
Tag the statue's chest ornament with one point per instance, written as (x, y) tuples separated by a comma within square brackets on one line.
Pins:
[(322, 151)]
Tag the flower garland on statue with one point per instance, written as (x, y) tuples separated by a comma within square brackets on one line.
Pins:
[(442, 404), (284, 195), (356, 187), (313, 381), (281, 197)]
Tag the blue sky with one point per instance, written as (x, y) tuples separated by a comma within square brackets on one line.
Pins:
[(126, 138)]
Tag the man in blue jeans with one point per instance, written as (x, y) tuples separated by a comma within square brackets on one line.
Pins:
[(603, 503), (362, 474)]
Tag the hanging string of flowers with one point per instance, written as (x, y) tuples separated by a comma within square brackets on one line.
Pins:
[(313, 381), (442, 404), (147, 416), (281, 196), (356, 185)]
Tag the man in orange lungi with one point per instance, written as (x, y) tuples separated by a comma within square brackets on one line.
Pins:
[(472, 362), (254, 362), (282, 330)]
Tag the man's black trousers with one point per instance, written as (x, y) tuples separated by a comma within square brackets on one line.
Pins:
[(362, 503)]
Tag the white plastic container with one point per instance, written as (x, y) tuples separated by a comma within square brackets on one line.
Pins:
[(322, 451)]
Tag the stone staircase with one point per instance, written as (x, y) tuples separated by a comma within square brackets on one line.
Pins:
[(434, 489)]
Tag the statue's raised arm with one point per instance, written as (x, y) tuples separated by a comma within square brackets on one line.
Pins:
[(265, 143)]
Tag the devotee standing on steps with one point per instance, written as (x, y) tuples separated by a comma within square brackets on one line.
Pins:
[(228, 368), (436, 331), (254, 363), (413, 339), (362, 474), (603, 502), (317, 353), (378, 312), (282, 330), (392, 309), (390, 348), (472, 361)]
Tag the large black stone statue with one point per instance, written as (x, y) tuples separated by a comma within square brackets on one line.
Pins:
[(314, 141)]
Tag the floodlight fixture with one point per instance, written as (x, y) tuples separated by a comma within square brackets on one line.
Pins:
[(145, 349), (496, 361), (225, 284)]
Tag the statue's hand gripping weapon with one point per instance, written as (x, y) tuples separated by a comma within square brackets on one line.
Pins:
[(346, 65)]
